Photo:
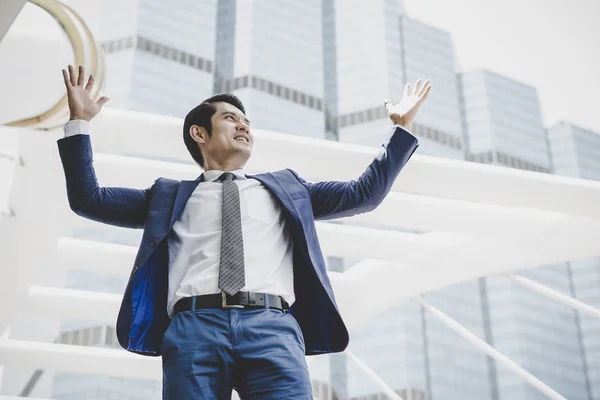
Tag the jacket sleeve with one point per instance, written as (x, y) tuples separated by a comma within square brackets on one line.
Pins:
[(333, 199), (122, 207)]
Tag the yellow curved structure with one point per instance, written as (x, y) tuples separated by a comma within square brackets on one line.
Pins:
[(67, 19)]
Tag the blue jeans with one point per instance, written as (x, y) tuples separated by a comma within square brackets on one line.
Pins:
[(259, 352)]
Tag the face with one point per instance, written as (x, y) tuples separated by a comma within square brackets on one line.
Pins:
[(230, 144)]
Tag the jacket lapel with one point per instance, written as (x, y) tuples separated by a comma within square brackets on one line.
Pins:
[(273, 184), (185, 190)]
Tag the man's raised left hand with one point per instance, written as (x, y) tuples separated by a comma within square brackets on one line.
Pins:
[(404, 113)]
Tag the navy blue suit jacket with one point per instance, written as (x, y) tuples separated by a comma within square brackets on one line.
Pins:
[(143, 315)]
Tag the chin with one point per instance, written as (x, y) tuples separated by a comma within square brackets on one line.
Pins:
[(246, 152)]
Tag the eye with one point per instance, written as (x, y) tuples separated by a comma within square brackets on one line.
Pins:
[(230, 117)]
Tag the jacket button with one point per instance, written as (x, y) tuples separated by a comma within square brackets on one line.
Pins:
[(154, 242), (135, 268)]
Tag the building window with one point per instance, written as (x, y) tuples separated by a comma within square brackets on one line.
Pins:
[(344, 121), (111, 336), (161, 50), (76, 337), (501, 158), (86, 337), (96, 335), (352, 119)]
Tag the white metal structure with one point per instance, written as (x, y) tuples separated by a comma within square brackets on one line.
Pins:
[(479, 220)]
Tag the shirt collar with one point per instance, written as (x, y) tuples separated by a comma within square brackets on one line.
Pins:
[(214, 174)]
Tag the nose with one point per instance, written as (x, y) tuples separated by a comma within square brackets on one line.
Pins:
[(242, 126)]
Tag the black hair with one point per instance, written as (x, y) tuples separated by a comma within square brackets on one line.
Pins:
[(201, 115)]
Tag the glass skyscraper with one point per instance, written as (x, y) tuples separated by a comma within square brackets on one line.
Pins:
[(503, 122), (372, 50), (322, 68), (575, 152), (504, 127)]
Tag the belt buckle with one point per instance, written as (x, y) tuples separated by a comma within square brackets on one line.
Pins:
[(224, 302)]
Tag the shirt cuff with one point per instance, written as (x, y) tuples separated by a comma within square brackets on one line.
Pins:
[(77, 127)]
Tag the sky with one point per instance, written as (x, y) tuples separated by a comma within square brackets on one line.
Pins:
[(552, 45)]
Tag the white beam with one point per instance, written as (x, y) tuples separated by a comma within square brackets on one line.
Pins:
[(429, 269), (357, 283), (34, 220), (527, 227), (430, 176), (337, 241), (78, 304), (88, 255), (554, 295), (441, 249), (79, 359), (491, 351)]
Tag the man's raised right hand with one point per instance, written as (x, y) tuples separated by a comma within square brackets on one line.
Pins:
[(81, 104)]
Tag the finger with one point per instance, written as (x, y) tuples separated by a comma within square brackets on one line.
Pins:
[(406, 92), (72, 75), (426, 84), (417, 86), (102, 101), (90, 83), (81, 77), (66, 78), (425, 94), (387, 103)]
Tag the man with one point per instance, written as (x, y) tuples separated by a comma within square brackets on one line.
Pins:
[(229, 284)]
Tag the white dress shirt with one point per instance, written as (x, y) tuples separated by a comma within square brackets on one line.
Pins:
[(195, 240)]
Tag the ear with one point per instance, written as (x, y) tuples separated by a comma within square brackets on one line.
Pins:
[(198, 133)]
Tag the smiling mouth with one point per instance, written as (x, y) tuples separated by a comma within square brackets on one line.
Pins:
[(241, 138)]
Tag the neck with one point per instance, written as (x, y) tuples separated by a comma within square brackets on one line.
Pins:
[(225, 166)]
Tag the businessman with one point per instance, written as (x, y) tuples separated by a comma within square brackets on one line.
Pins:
[(229, 284)]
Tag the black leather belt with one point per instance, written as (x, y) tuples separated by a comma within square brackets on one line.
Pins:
[(238, 300)]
